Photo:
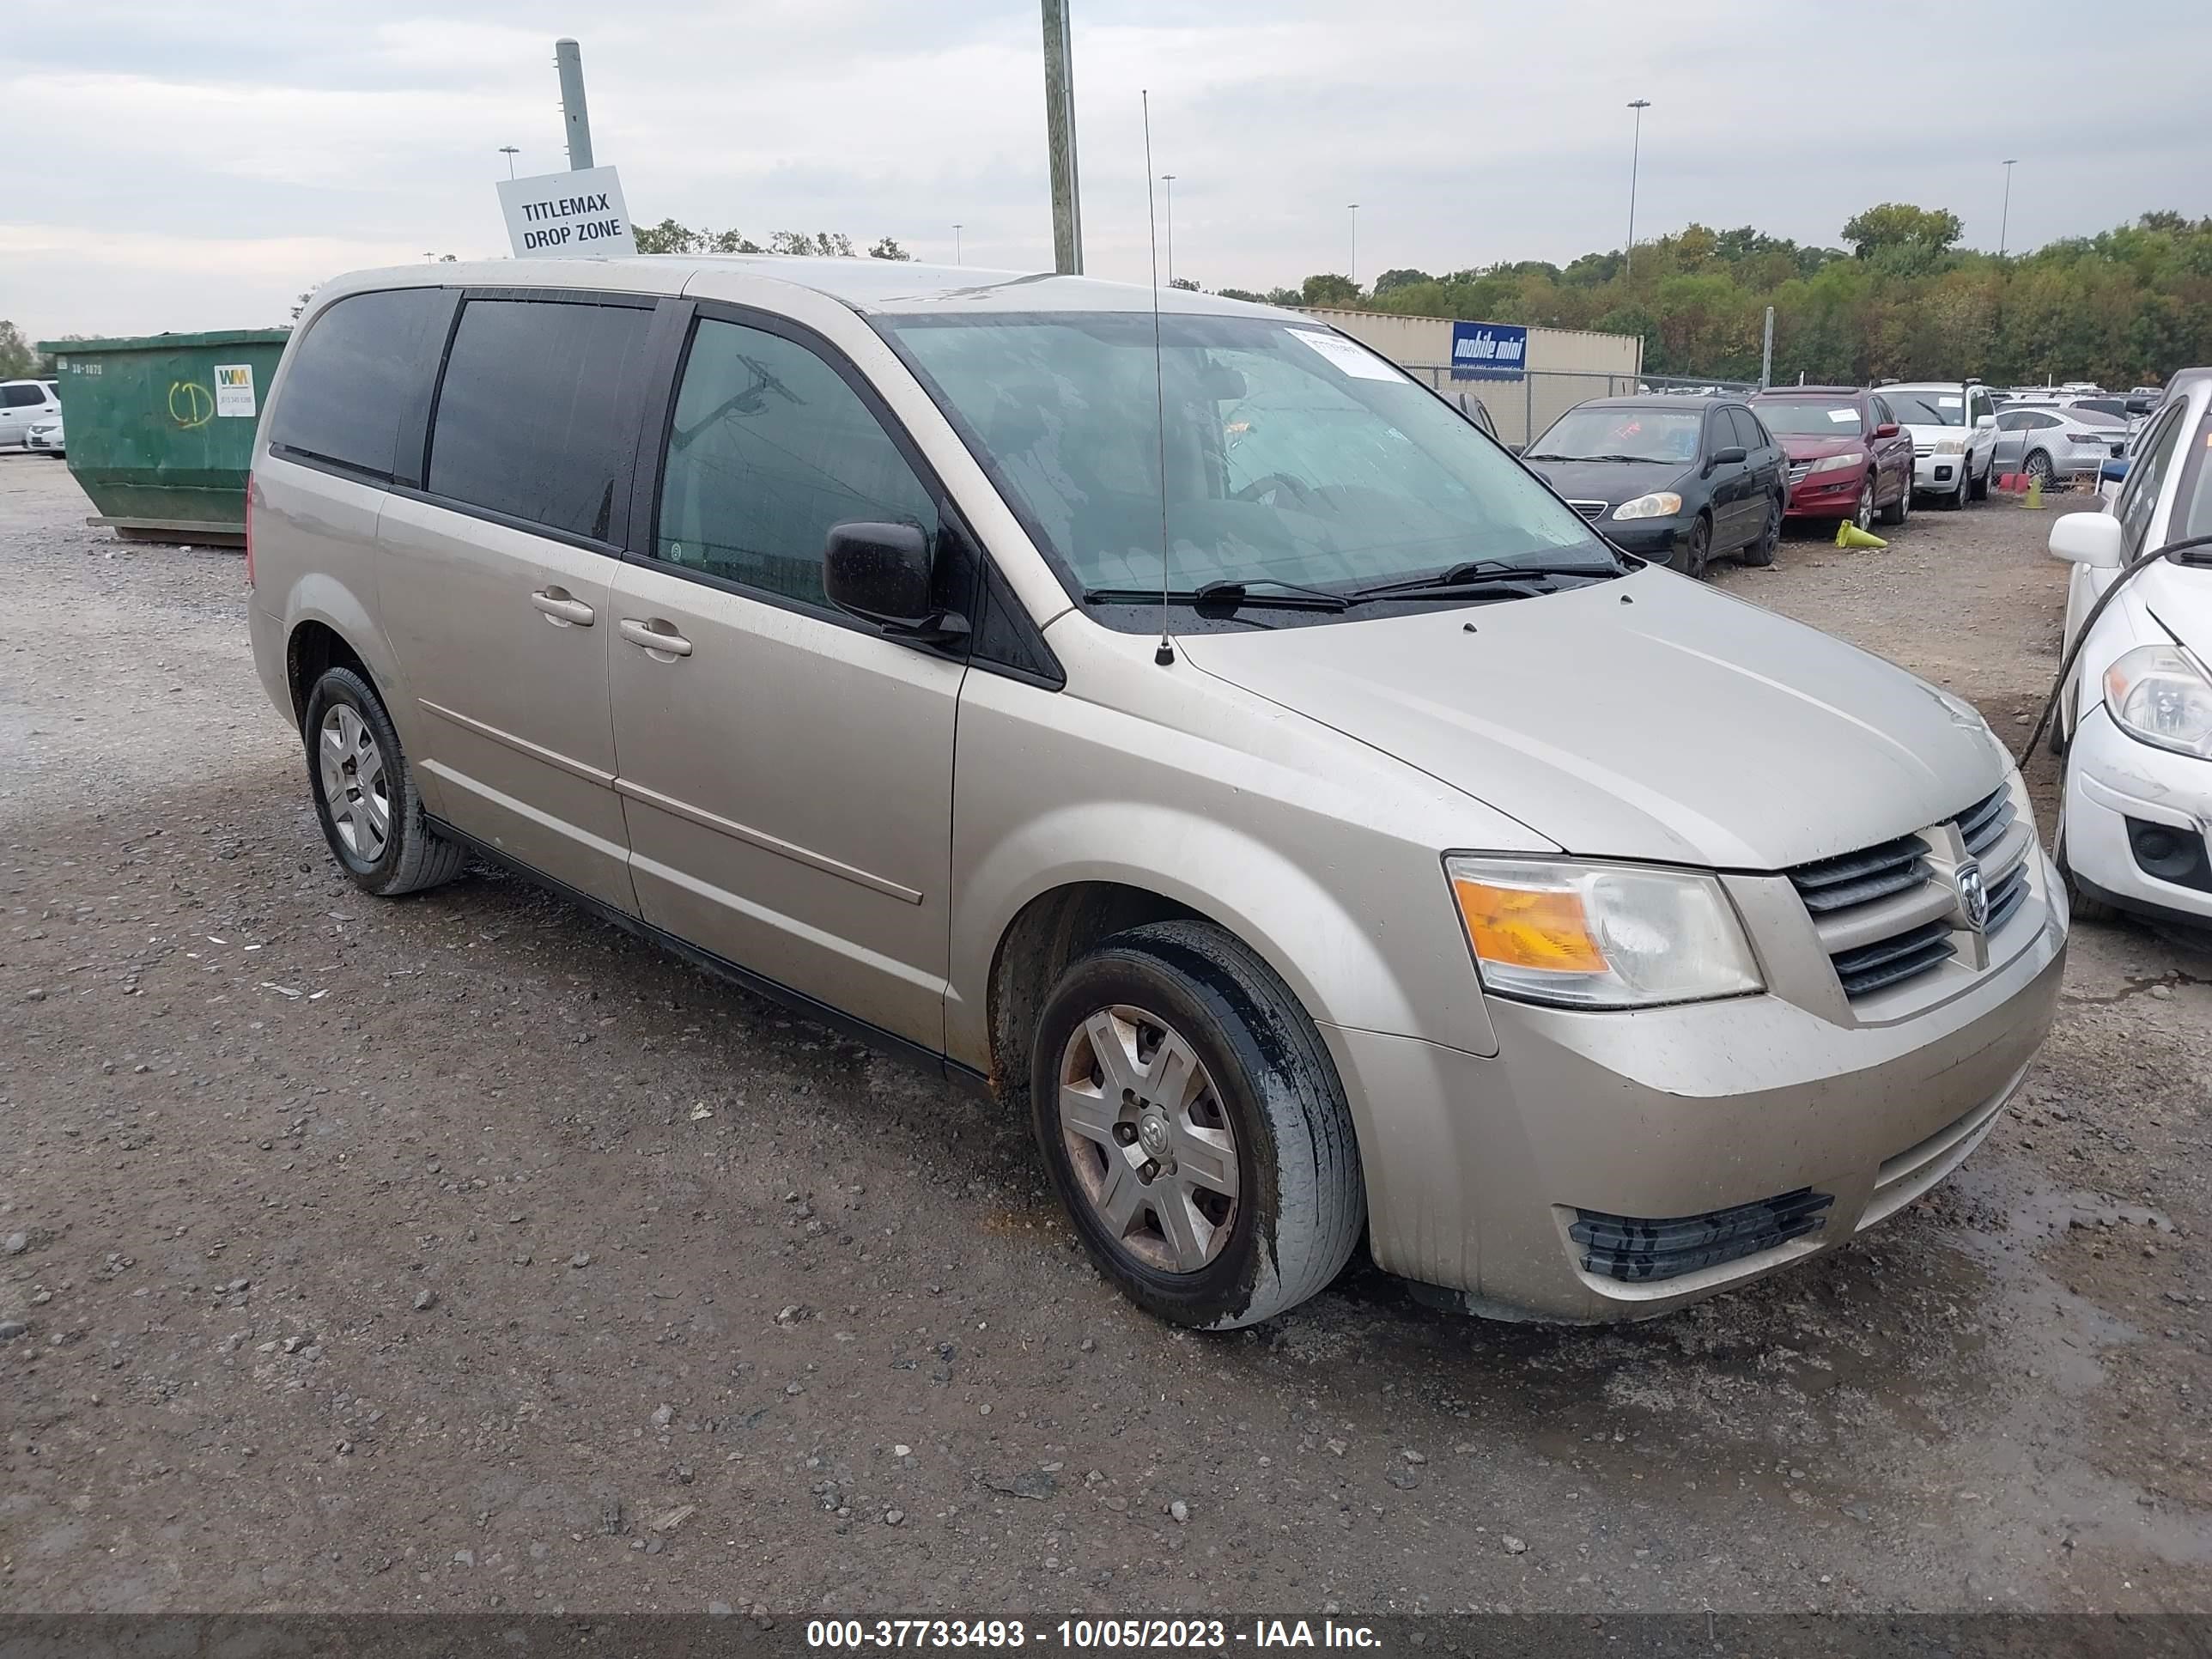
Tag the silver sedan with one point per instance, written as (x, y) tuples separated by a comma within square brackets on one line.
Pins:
[(2049, 443)]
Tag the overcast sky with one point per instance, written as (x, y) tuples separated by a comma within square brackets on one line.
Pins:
[(188, 164)]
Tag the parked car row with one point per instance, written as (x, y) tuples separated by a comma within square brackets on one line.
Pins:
[(25, 404)]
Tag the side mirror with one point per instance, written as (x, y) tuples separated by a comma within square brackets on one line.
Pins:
[(1984, 420), (881, 574), (1886, 430), (1724, 456), (2090, 538)]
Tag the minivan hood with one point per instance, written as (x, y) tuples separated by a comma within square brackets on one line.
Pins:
[(1610, 481), (1647, 717)]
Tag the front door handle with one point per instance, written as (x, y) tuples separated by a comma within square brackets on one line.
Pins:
[(659, 637), (562, 608)]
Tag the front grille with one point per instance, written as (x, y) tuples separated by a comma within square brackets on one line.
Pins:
[(1588, 509), (1923, 450), (1883, 914), (1638, 1248), (1800, 471)]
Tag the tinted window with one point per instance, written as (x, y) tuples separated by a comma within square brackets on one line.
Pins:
[(360, 378), (2138, 497), (769, 447), (526, 423), (21, 397), (1747, 431)]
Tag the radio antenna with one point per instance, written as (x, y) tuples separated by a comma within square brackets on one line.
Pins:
[(1165, 656)]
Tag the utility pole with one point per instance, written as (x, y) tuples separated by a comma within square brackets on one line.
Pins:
[(1167, 196), (569, 58), (1353, 208), (1767, 353), (2004, 223), (955, 242), (1635, 157), (510, 152), (1060, 142)]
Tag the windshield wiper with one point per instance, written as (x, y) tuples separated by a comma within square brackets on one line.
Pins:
[(1545, 455), (1228, 594), (1480, 572)]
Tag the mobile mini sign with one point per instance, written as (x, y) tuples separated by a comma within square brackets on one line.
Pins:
[(1489, 351), (567, 215)]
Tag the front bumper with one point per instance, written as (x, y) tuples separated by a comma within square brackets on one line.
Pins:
[(45, 443), (1939, 473), (1478, 1169), (1825, 495), (1648, 538), (2110, 779)]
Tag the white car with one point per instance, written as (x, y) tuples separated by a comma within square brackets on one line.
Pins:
[(46, 437), (24, 405), (1954, 437), (2135, 715)]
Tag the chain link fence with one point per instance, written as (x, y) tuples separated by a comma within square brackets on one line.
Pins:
[(1521, 409)]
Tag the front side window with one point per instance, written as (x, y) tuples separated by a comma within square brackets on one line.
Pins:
[(359, 379), (526, 423), (2138, 497), (769, 448), (1291, 454)]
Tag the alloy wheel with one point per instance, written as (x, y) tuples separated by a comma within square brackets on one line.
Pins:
[(1863, 518), (1151, 1145), (355, 788)]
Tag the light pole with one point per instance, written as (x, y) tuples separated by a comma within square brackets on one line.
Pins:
[(955, 241), (1167, 198), (1635, 157), (2004, 223), (1353, 208), (510, 152)]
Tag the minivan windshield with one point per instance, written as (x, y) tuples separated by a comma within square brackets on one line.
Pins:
[(1291, 456), (1927, 405), (1604, 432), (1804, 417)]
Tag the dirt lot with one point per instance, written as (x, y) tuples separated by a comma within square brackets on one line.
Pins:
[(462, 1252)]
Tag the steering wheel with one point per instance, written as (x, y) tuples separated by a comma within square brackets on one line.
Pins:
[(1269, 483)]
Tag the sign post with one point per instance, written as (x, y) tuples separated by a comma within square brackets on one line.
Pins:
[(568, 216)]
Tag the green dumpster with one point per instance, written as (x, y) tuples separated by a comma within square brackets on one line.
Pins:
[(161, 429)]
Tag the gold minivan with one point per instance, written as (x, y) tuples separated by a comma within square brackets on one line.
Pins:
[(1165, 716)]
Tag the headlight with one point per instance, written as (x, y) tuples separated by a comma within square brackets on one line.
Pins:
[(1950, 446), (2158, 695), (1600, 935), (1844, 463), (1663, 505)]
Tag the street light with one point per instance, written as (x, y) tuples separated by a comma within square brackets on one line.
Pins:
[(955, 242), (510, 152), (1167, 198), (1353, 208), (2004, 223), (1635, 156)]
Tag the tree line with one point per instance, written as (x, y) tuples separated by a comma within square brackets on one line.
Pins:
[(1903, 300)]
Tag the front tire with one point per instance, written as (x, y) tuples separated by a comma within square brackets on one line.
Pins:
[(1980, 487), (1900, 509), (1194, 1127), (2040, 469), (365, 794), (1862, 514), (1956, 500), (1691, 557), (1760, 553)]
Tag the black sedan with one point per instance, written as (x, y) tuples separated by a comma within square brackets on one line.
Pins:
[(1678, 480)]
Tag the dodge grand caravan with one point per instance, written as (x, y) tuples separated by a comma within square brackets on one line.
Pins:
[(1190, 731)]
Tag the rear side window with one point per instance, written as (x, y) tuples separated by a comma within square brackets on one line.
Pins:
[(21, 397), (527, 424), (359, 384), (769, 448)]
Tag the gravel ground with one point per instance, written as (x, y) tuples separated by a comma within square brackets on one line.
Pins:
[(462, 1252)]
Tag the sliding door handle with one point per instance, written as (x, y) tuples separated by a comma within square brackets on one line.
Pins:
[(562, 608), (658, 636)]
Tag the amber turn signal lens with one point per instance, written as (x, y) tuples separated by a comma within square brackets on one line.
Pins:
[(1516, 927)]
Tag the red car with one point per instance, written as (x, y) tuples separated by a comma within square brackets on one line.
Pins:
[(1848, 457)]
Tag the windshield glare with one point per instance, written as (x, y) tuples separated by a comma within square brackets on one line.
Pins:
[(1927, 405), (1291, 454), (1591, 433), (1804, 419)]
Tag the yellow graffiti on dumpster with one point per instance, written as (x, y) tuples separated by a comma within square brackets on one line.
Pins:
[(190, 404)]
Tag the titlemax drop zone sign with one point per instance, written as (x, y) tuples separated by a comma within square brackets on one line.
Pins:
[(562, 215)]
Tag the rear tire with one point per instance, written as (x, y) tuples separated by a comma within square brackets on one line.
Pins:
[(1900, 509), (1173, 1048), (365, 794)]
